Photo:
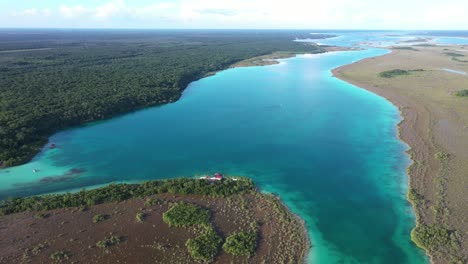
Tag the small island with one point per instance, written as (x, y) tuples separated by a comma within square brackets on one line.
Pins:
[(177, 220)]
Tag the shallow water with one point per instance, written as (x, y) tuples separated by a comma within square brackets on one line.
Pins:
[(452, 40), (328, 148), (454, 71), (390, 38)]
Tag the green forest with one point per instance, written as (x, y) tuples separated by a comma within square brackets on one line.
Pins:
[(54, 79)]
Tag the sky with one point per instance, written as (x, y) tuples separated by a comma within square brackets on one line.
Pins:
[(236, 14)]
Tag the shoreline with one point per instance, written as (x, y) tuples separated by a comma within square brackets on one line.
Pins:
[(434, 127), (402, 114), (264, 60), (300, 223), (272, 59), (144, 236), (405, 128)]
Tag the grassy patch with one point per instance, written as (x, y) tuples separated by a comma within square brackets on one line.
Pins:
[(99, 218), (462, 93), (35, 250), (397, 72), (38, 248), (454, 54), (405, 48), (59, 255), (186, 214), (140, 217), (41, 215), (205, 246), (442, 155), (157, 246), (109, 241), (425, 45), (459, 60), (152, 201), (241, 244), (393, 73), (415, 196)]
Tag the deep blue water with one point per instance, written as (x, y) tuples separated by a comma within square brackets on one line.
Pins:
[(328, 148)]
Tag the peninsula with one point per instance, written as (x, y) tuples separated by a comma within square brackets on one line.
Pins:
[(167, 221), (429, 85)]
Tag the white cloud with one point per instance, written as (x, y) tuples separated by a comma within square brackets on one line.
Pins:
[(46, 12), (403, 14), (446, 14), (110, 9), (151, 11), (31, 12), (113, 9), (71, 12)]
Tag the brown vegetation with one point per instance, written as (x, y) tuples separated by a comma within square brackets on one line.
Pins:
[(435, 126), (69, 234)]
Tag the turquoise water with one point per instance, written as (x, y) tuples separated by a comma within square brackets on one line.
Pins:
[(328, 148), (389, 38), (452, 40)]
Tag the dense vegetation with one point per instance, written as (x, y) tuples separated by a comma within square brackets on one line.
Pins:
[(241, 244), (246, 209), (404, 48), (430, 237), (415, 197), (50, 80), (393, 73), (454, 54), (186, 214), (120, 192), (397, 72), (99, 218), (140, 217), (109, 241), (59, 256), (462, 93), (205, 246)]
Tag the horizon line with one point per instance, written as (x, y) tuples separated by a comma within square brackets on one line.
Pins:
[(177, 28)]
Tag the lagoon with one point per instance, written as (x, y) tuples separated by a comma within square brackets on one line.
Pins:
[(329, 149)]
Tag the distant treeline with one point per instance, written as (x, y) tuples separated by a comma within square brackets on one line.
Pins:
[(81, 76), (120, 192)]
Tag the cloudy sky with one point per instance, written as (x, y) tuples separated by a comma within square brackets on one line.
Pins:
[(309, 14)]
